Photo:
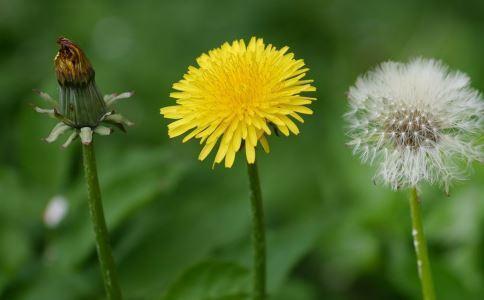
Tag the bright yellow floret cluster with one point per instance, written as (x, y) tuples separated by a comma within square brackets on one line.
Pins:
[(239, 94)]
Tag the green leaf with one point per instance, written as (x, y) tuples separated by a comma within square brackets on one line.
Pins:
[(17, 218), (180, 231), (286, 246), (58, 284), (211, 280), (44, 164), (295, 289), (126, 186), (14, 250)]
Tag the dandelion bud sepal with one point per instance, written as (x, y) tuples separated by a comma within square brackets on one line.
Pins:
[(81, 108)]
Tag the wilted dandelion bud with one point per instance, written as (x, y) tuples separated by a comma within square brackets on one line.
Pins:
[(418, 121), (81, 107), (80, 101)]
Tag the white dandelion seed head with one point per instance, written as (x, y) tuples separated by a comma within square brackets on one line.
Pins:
[(417, 122)]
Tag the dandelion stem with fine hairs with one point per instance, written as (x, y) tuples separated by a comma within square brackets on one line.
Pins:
[(420, 244), (258, 235), (104, 251)]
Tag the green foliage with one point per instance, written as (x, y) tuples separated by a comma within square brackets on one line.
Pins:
[(181, 230), (211, 280)]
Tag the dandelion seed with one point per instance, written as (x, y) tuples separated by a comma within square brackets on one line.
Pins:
[(437, 122)]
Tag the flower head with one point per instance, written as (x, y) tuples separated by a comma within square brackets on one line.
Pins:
[(419, 121), (81, 107), (238, 95)]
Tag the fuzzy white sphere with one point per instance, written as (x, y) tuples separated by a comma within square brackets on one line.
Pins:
[(417, 121)]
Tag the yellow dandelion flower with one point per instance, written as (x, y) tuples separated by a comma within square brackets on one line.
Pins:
[(237, 96)]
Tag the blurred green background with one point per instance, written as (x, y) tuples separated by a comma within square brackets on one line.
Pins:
[(181, 231)]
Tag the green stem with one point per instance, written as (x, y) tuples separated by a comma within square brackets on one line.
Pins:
[(420, 244), (258, 234), (106, 259)]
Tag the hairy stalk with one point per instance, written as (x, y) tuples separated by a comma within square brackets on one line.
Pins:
[(420, 244), (258, 235), (105, 256)]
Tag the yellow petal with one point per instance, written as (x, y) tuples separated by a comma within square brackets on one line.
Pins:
[(206, 151), (290, 124), (250, 153), (265, 144), (252, 138)]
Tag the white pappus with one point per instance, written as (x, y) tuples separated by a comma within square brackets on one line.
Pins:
[(417, 121)]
